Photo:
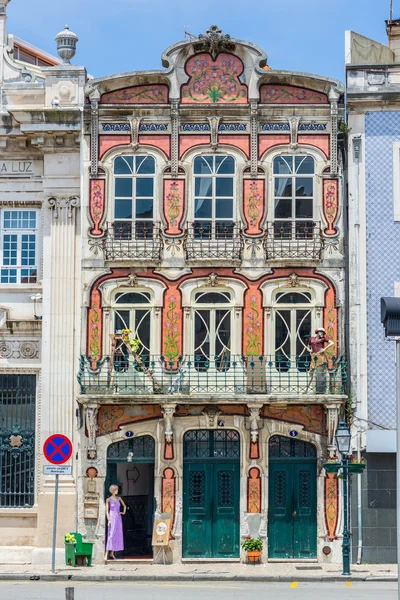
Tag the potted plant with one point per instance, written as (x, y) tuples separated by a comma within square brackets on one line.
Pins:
[(332, 465), (253, 547), (355, 465)]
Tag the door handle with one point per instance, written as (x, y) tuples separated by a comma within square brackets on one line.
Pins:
[(294, 513), (197, 522)]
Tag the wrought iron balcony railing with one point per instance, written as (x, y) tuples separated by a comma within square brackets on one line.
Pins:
[(210, 240), (197, 375), (293, 240), (133, 239)]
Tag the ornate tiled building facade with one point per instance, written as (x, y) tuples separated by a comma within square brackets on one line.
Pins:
[(212, 249)]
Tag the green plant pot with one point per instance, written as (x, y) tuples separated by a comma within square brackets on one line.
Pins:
[(332, 467), (357, 467)]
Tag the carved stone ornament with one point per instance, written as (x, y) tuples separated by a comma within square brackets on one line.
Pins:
[(57, 204), (214, 41), (211, 415), (254, 421), (168, 413), (293, 280), (212, 280), (92, 428)]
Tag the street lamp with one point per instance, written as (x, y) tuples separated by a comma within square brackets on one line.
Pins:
[(343, 439)]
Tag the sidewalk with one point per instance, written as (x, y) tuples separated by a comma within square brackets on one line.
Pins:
[(121, 571)]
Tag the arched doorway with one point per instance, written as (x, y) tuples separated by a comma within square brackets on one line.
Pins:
[(130, 465), (292, 513), (211, 494)]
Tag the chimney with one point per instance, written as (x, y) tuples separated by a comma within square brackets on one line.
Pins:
[(393, 32)]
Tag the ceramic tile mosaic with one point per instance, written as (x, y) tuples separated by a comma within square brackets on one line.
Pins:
[(383, 261)]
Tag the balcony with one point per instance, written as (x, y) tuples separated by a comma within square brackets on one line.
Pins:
[(301, 240), (196, 376), (213, 241), (140, 240)]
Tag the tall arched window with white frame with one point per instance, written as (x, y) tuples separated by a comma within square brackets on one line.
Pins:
[(293, 324), (134, 196), (212, 330), (294, 197), (214, 184), (133, 319)]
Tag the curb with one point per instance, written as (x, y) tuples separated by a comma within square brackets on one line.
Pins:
[(193, 577)]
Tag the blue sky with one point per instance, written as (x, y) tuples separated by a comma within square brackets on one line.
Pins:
[(128, 35)]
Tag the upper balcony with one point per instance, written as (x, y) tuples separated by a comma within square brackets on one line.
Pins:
[(140, 240), (214, 241), (293, 240), (198, 376)]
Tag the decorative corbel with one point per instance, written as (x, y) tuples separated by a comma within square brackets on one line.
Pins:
[(92, 428), (214, 123), (168, 413), (254, 419), (135, 124), (332, 419), (294, 126)]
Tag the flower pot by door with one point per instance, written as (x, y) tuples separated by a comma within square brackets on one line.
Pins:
[(254, 555)]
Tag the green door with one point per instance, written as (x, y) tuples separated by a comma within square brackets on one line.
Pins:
[(211, 495), (292, 519)]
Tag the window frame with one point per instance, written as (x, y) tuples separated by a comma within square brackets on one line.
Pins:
[(19, 232), (292, 307), (294, 197), (132, 308), (214, 175), (134, 176)]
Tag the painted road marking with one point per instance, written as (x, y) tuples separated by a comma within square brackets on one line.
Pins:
[(294, 584), (348, 584)]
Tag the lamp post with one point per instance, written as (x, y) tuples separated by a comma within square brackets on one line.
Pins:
[(343, 439)]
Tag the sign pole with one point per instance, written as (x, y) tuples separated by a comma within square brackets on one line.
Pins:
[(53, 553)]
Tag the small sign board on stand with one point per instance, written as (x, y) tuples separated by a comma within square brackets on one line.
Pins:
[(161, 534)]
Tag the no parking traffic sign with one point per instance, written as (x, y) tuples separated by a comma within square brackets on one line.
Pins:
[(57, 449)]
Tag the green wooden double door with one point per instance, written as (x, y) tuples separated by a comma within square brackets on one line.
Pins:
[(211, 512), (292, 519)]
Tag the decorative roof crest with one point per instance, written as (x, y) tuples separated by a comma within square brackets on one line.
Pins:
[(214, 41)]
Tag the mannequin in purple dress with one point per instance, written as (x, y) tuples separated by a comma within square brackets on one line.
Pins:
[(115, 538)]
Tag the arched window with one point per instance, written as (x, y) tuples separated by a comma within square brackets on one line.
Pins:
[(214, 178), (133, 311), (293, 315), (293, 197), (212, 329), (134, 196)]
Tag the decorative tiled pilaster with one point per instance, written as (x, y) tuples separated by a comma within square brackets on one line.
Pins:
[(330, 205), (174, 204), (254, 491), (253, 205), (168, 492), (331, 504), (97, 204)]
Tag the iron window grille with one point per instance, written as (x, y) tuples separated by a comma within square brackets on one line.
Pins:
[(17, 440)]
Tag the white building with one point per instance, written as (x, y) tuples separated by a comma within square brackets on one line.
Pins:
[(41, 113)]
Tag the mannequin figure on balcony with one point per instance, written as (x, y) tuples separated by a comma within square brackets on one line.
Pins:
[(318, 346)]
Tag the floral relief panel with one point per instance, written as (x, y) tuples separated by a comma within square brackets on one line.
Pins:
[(168, 493), (174, 198), (95, 326), (331, 322), (290, 94), (214, 81), (138, 94), (311, 417), (172, 325), (112, 418), (253, 205), (253, 322), (331, 205), (331, 504), (254, 491), (97, 205)]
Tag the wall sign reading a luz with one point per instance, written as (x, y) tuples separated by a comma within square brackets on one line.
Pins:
[(20, 168)]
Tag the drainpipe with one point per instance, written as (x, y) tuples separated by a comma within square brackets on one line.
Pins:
[(357, 148)]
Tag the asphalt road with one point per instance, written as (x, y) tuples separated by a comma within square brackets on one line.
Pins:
[(200, 591)]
